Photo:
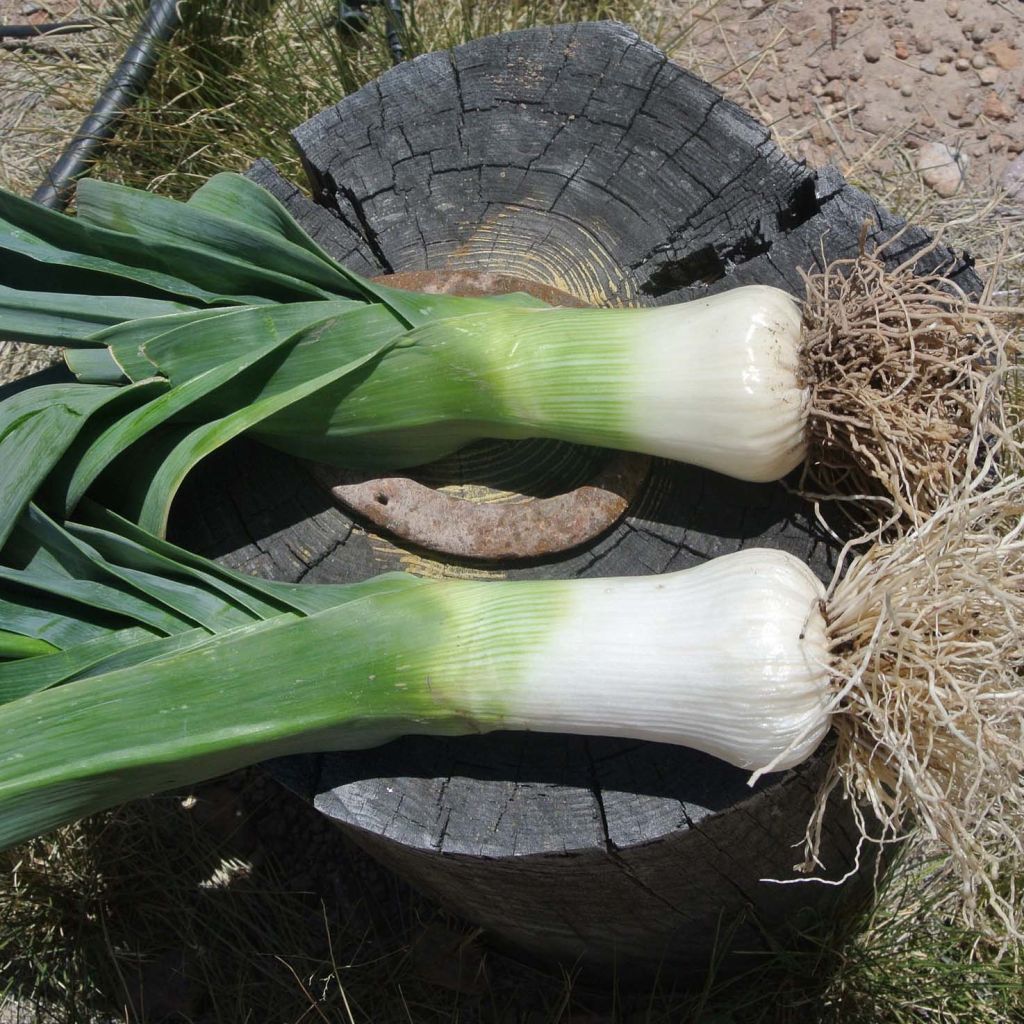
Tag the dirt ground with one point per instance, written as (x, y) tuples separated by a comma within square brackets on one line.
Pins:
[(878, 87)]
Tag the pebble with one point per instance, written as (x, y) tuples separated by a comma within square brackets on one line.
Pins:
[(979, 34), (995, 109), (833, 66), (952, 8), (979, 61), (906, 89), (1012, 178), (873, 51), (924, 44), (940, 167), (942, 69), (929, 67), (927, 121), (871, 119), (962, 64), (988, 76), (901, 51), (1003, 55)]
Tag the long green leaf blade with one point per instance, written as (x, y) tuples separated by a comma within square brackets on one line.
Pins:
[(37, 427), (238, 247), (31, 674), (17, 645), (197, 444), (55, 318)]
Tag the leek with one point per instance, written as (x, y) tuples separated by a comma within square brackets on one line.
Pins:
[(237, 321), (729, 657), (143, 667)]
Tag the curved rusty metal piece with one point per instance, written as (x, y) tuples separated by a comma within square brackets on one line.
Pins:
[(476, 282), (487, 530), (494, 531)]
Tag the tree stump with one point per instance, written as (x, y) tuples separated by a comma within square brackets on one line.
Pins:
[(577, 157)]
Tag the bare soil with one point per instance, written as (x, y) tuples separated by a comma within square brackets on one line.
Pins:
[(865, 84)]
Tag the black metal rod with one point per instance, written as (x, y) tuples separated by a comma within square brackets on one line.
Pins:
[(125, 86), (396, 29), (46, 28)]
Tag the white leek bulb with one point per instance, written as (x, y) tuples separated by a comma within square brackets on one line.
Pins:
[(729, 657)]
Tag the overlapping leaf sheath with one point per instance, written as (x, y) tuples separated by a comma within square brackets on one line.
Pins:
[(185, 324)]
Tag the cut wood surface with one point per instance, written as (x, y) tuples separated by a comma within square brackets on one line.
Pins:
[(580, 158)]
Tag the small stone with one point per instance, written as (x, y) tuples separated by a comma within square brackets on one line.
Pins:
[(979, 34), (942, 69), (927, 121), (835, 89), (776, 92), (812, 63), (997, 143), (906, 89), (872, 120), (1003, 55), (940, 167), (873, 51), (955, 109), (962, 64), (928, 66), (924, 44), (952, 8), (901, 51), (996, 27), (794, 39), (946, 58), (817, 89), (1012, 178), (855, 73), (979, 61), (995, 109), (833, 66), (988, 76)]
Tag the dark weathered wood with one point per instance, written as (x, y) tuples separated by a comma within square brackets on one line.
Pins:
[(580, 157)]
